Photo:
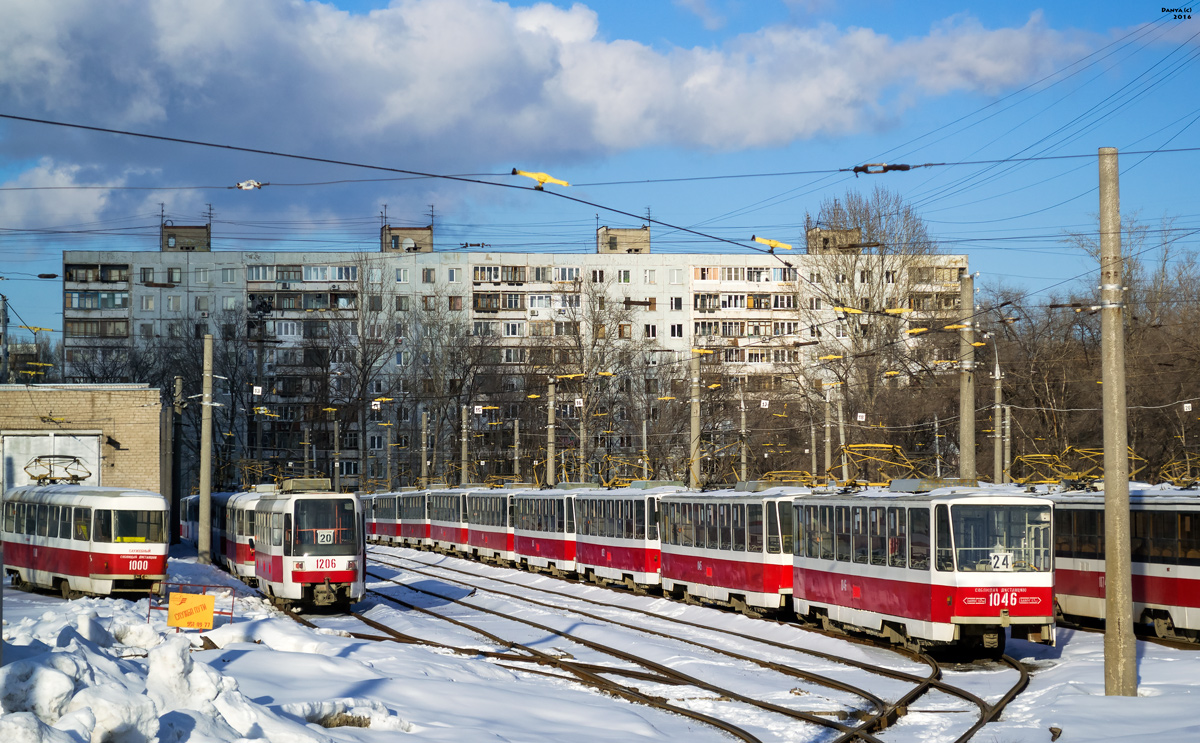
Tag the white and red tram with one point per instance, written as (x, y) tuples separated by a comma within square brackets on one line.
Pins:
[(309, 545), (85, 540), (414, 526), (385, 518), (927, 569), (544, 529), (728, 546), (617, 539), (490, 534), (448, 520), (1164, 527)]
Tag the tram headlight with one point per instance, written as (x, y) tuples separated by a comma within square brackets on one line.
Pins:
[(352, 564), (298, 565)]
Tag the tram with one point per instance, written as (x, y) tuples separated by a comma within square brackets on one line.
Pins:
[(490, 534), (544, 530), (84, 540), (618, 539), (729, 547), (928, 569), (1164, 558)]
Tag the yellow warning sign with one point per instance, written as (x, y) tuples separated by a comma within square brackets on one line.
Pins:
[(190, 611)]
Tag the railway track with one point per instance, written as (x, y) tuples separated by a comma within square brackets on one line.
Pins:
[(871, 713)]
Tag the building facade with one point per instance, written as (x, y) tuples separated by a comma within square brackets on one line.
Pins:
[(330, 358)]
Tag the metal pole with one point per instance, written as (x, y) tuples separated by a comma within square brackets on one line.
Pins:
[(645, 452), (204, 537), (937, 448), (694, 477), (177, 452), (337, 455), (388, 453), (1120, 655), (462, 479), (812, 437), (842, 441), (551, 465), (584, 469), (743, 473), (517, 449), (966, 380), (997, 414), (306, 448), (3, 339), (424, 449), (828, 439), (1008, 443)]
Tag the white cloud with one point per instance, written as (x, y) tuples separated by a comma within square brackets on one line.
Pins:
[(447, 83), (710, 18), (44, 203)]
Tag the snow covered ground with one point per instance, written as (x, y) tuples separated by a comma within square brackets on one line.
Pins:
[(96, 670)]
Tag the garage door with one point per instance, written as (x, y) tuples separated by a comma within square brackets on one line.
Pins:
[(19, 449)]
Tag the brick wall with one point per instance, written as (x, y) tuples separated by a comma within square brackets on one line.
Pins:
[(126, 415)]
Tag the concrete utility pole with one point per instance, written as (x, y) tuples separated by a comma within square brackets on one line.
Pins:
[(462, 479), (581, 450), (517, 449), (743, 473), (388, 453), (645, 452), (1120, 654), (694, 478), (424, 449), (1008, 443), (997, 415), (337, 455), (177, 452), (306, 444), (204, 537), (3, 339), (828, 438), (551, 480), (966, 380), (812, 437), (842, 441), (937, 447)]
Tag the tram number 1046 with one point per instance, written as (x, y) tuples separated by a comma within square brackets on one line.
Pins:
[(1002, 598)]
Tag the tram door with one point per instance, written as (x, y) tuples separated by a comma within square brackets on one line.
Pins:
[(1037, 537)]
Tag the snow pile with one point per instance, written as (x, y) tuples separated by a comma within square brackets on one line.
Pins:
[(74, 676)]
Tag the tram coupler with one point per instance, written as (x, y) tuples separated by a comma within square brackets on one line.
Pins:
[(324, 594)]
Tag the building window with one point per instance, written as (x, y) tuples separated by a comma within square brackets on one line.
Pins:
[(814, 303), (316, 273), (147, 275), (514, 355), (650, 331), (624, 276), (374, 442), (375, 303), (147, 301), (676, 275), (514, 329), (287, 328), (864, 277), (677, 330), (429, 302), (402, 301), (174, 275), (401, 275), (455, 303), (513, 274), (566, 328), (541, 274), (375, 275), (202, 303), (228, 275), (624, 330), (483, 328), (146, 330), (256, 273), (677, 303), (174, 303), (889, 277), (566, 273), (344, 273), (428, 275), (648, 276)]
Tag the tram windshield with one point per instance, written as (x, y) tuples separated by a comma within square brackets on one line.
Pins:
[(128, 526), (999, 538), (325, 527)]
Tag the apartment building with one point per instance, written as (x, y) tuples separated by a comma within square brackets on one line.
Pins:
[(367, 323)]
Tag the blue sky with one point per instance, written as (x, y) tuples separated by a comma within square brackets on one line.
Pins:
[(619, 98)]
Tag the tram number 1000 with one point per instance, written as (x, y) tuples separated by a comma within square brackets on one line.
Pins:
[(139, 566)]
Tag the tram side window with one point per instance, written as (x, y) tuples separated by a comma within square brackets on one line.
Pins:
[(897, 538), (825, 538), (652, 518), (1064, 530), (714, 527), (843, 533), (785, 528), (1164, 549), (570, 516), (754, 527), (1189, 538), (64, 523), (639, 519), (739, 527), (52, 523), (858, 516), (772, 528), (102, 526), (277, 530), (83, 520), (945, 546), (878, 535), (700, 514), (1140, 542), (31, 519), (1088, 535), (918, 543), (43, 519), (725, 520), (10, 517)]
